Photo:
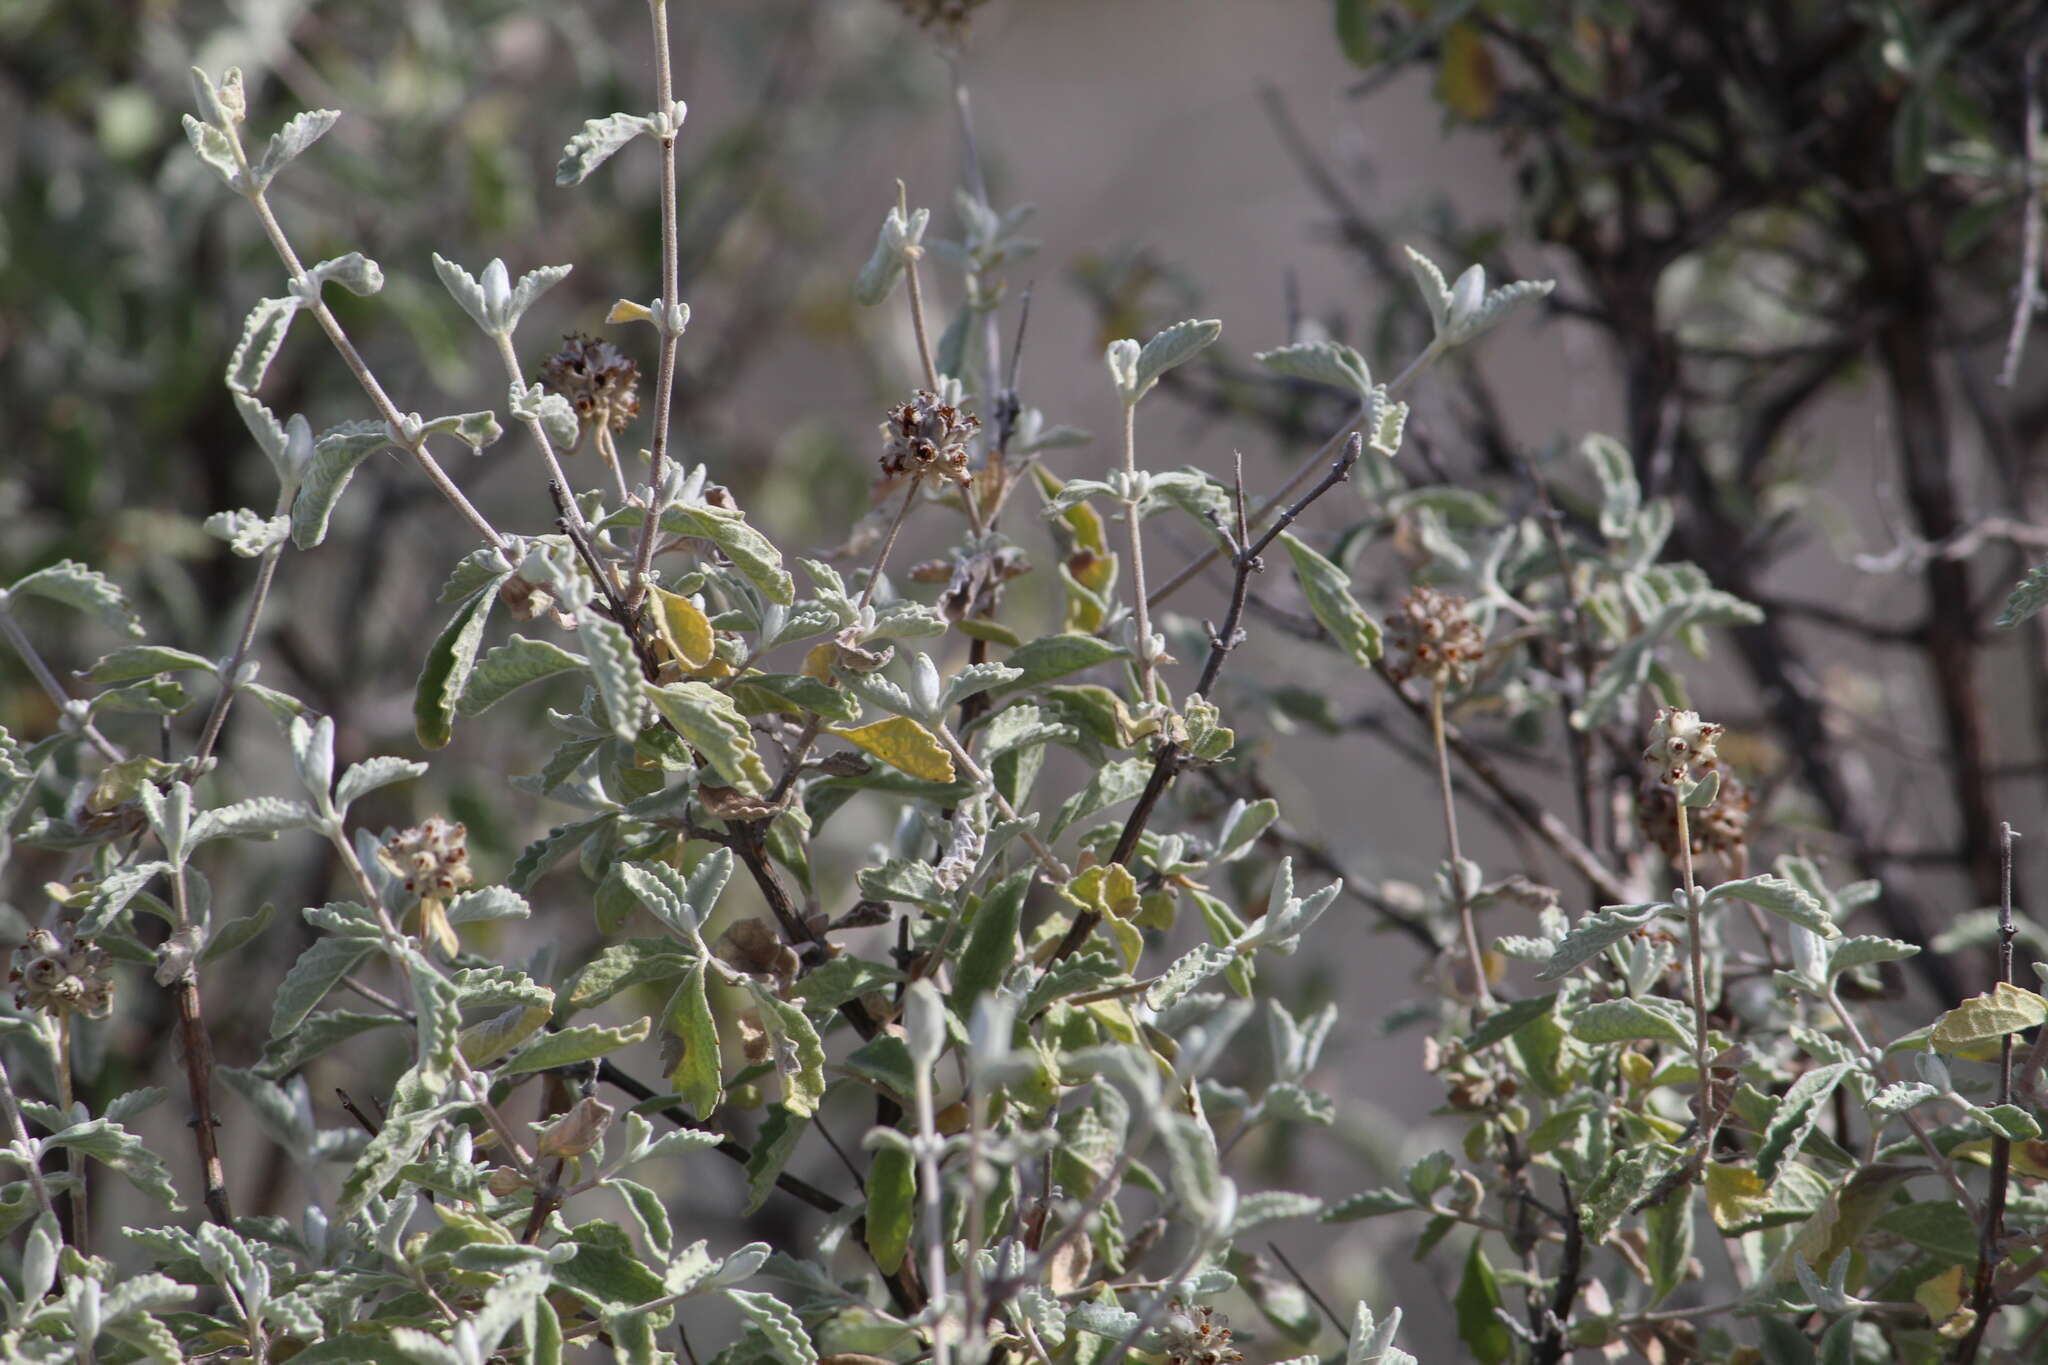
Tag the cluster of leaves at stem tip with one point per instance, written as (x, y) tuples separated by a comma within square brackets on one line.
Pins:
[(1033, 1000)]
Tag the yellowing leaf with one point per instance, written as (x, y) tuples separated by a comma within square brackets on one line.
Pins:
[(684, 628), (1466, 80), (1985, 1018), (1942, 1297), (625, 310), (904, 745), (1735, 1196), (818, 663), (1107, 889)]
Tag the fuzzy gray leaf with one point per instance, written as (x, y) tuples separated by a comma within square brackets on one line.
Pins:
[(335, 456), (596, 144), (292, 139), (1321, 362)]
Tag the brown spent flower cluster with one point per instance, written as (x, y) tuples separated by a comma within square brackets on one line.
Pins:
[(948, 17), (1720, 829), (62, 975), (432, 858), (597, 379), (1197, 1336), (1430, 637), (972, 581), (925, 436)]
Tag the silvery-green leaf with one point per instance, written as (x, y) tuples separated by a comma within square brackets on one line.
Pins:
[(1122, 359), (1242, 825), (138, 661), (112, 1145), (557, 417), (616, 669), (475, 429), (1187, 972), (1271, 1206), (1595, 934), (1321, 362), (225, 104), (1372, 1344), (1073, 493), (312, 754), (714, 727), (1621, 494), (1101, 1319), (497, 291), (464, 289), (1173, 346), (1500, 303), (2027, 598), (1866, 950), (752, 553), (445, 672), (249, 534), (1468, 296), (1385, 422), (370, 774), (1032, 434), (335, 456), (531, 286), (287, 142), (1458, 506), (215, 150), (1652, 1018), (1328, 590), (924, 1023), (591, 148), (1785, 899), (83, 589), (886, 264), (354, 272), (268, 431), (284, 1111), (112, 895), (783, 1329), (904, 619), (1435, 293), (1900, 1096), (486, 903), (262, 333), (511, 666), (977, 678), (258, 817)]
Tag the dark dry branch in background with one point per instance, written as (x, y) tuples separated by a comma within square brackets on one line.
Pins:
[(1244, 555)]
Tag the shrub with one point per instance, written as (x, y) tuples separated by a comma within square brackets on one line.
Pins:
[(1046, 962)]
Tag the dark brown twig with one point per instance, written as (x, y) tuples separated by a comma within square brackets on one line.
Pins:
[(2028, 301), (1245, 560), (197, 1047), (1991, 1233), (1343, 1330)]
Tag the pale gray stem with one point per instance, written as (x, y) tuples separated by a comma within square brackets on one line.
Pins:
[(53, 688)]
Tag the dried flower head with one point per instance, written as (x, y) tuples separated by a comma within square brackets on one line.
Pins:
[(1197, 1336), (1431, 637), (1678, 741), (597, 379), (754, 948), (62, 975), (1720, 829), (949, 18), (925, 436), (432, 858), (577, 1131)]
